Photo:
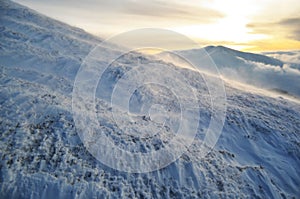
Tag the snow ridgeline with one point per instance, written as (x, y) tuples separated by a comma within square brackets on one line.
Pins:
[(257, 155), (253, 69)]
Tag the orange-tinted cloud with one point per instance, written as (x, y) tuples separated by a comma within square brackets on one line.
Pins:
[(285, 28)]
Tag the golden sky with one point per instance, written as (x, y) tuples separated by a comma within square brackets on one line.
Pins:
[(252, 25)]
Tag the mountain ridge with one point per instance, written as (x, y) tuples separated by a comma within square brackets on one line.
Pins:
[(246, 55), (42, 155), (252, 69)]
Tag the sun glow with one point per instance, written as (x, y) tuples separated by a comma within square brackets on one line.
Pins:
[(256, 25)]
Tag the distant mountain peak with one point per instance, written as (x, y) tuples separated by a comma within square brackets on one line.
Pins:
[(219, 51), (42, 155)]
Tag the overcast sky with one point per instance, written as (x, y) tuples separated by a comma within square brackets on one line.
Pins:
[(257, 25)]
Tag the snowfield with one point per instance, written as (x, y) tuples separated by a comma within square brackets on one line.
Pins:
[(42, 155)]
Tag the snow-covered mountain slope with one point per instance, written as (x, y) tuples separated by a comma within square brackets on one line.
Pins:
[(43, 44), (42, 156), (248, 68), (226, 57)]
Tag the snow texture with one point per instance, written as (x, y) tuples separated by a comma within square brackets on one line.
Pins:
[(257, 155)]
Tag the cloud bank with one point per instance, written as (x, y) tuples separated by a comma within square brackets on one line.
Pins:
[(232, 65)]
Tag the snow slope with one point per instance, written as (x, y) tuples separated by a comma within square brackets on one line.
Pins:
[(257, 155), (227, 57), (253, 69)]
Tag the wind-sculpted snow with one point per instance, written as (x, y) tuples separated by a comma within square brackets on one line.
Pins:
[(42, 156)]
